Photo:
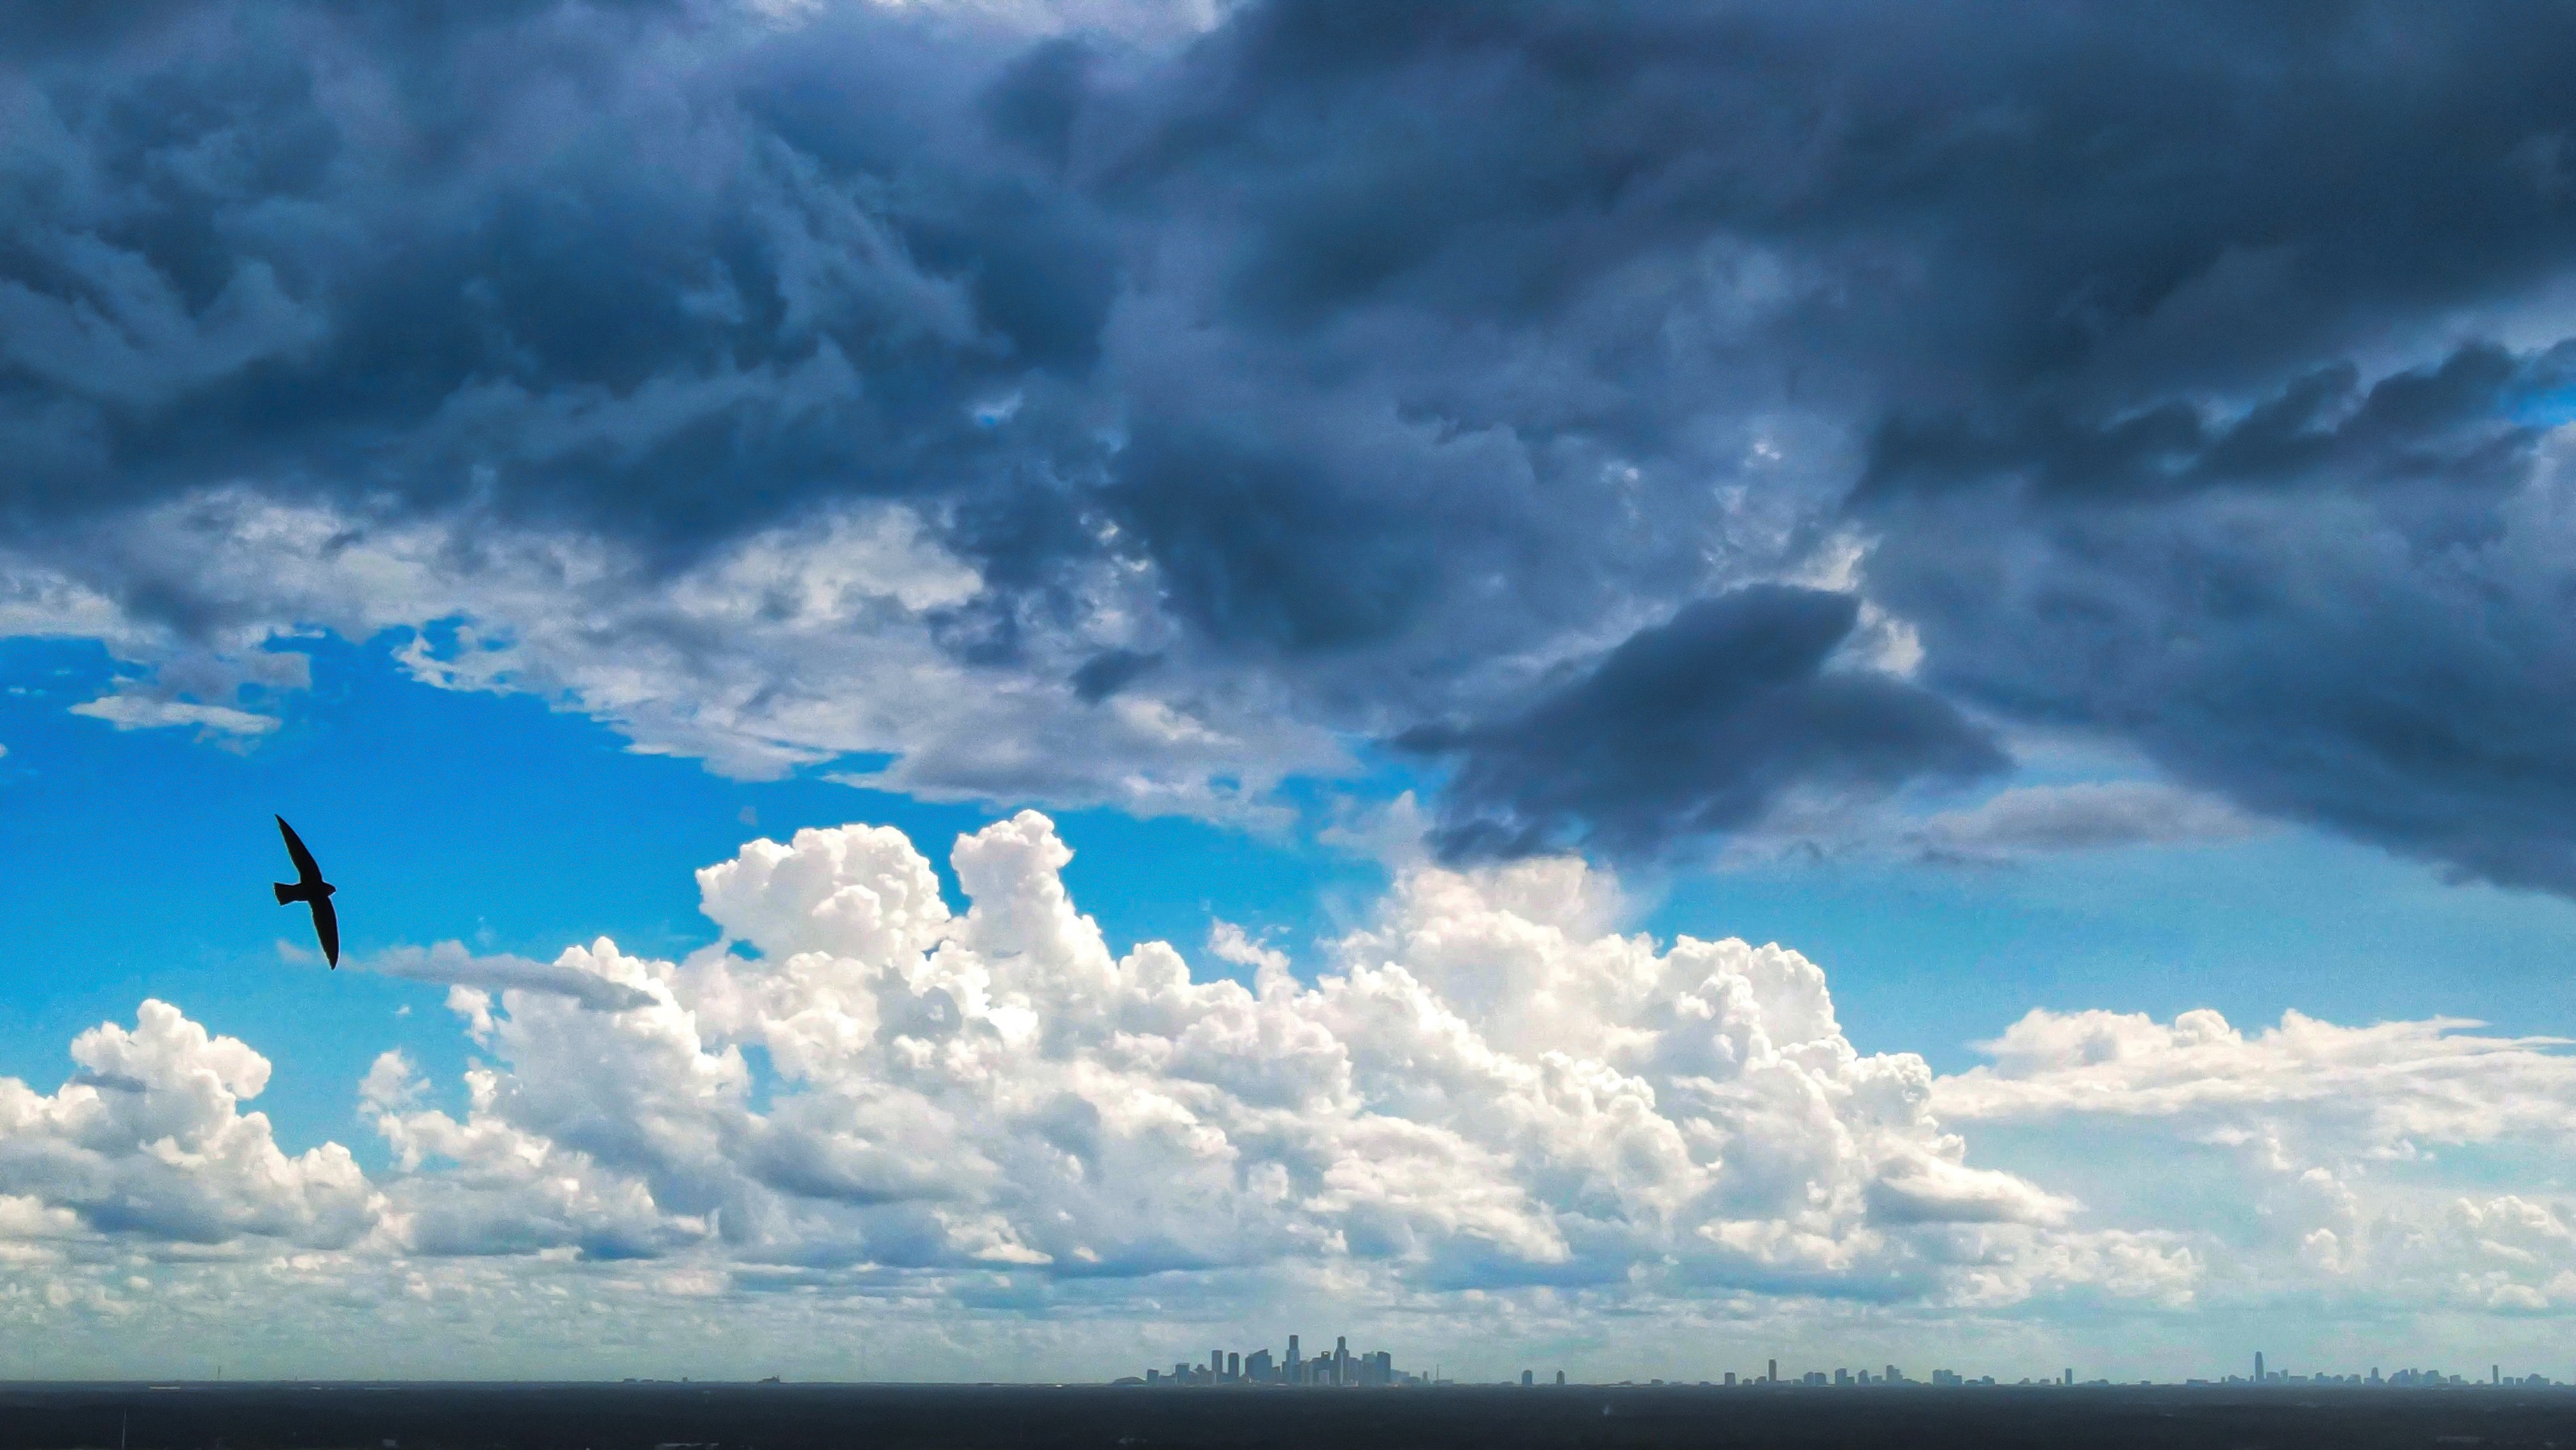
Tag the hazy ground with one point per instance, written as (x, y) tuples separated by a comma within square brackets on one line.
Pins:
[(783, 1417)]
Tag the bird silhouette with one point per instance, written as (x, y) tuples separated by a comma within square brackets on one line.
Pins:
[(310, 888)]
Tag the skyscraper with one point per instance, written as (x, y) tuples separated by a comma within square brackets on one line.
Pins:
[(2258, 1366), (1773, 1377)]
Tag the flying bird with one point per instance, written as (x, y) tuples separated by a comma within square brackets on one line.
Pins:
[(309, 887)]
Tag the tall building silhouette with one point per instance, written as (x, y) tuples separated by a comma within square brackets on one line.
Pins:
[(1341, 1368)]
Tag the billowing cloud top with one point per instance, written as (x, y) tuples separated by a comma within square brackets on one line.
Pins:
[(1492, 1106), (1492, 1089), (1113, 403)]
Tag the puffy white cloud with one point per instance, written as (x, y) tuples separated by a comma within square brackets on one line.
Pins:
[(147, 1142), (1490, 1086), (1490, 1101), (2358, 1162), (499, 1190), (2373, 1091)]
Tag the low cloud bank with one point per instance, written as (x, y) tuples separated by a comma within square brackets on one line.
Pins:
[(1489, 1095)]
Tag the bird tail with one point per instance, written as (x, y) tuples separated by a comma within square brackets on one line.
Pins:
[(286, 893)]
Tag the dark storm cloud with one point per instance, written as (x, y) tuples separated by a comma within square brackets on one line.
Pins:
[(2057, 256), (2019, 185), (2190, 369), (2340, 605), (1693, 726), (1110, 671), (1312, 542), (2388, 656), (2467, 424), (520, 262)]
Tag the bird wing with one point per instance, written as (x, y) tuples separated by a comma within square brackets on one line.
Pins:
[(306, 873), (326, 925)]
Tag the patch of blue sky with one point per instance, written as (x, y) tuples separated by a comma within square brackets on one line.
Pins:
[(2545, 408), (1933, 959), (140, 862)]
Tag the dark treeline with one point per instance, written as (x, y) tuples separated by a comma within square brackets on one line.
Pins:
[(790, 1417)]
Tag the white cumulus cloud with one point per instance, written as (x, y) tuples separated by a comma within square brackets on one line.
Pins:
[(2359, 1162), (1487, 1086), (147, 1143), (1489, 1100)]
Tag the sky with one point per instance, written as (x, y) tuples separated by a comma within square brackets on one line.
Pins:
[(1002, 688)]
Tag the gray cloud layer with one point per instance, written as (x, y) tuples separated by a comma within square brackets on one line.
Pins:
[(2189, 378), (1695, 726), (450, 963)]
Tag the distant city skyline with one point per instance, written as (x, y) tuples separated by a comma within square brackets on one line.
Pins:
[(1340, 1369)]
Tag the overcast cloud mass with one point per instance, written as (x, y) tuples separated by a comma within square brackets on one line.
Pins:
[(785, 384), (1645, 427)]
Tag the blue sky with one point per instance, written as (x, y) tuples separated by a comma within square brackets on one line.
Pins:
[(1852, 680), (523, 829), (449, 816)]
